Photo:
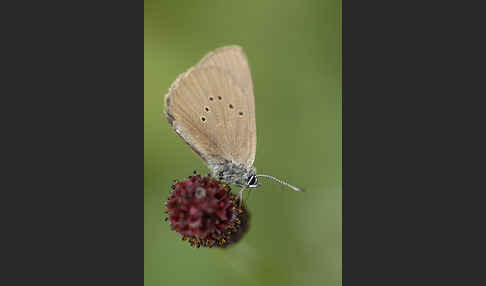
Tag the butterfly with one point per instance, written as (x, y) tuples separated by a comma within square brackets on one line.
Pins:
[(212, 108)]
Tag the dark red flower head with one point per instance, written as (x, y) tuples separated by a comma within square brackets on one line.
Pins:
[(205, 213)]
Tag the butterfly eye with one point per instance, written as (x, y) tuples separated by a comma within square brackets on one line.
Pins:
[(252, 181)]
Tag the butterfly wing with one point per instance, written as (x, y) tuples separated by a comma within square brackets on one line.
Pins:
[(234, 60), (212, 113)]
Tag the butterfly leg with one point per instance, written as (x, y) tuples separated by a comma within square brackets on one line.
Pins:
[(241, 194)]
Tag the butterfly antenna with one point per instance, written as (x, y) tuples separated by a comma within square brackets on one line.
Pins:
[(281, 182)]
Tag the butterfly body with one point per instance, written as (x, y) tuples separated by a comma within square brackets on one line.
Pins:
[(237, 174)]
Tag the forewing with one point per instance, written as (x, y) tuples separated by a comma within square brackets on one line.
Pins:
[(212, 113), (234, 60)]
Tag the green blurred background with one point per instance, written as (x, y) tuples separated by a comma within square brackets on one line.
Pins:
[(294, 52)]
